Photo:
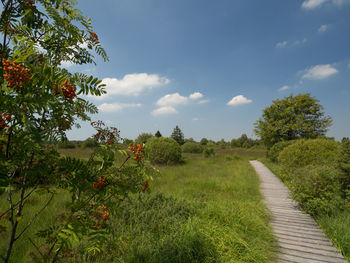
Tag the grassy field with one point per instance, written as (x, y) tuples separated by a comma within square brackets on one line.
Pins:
[(206, 210), (335, 226)]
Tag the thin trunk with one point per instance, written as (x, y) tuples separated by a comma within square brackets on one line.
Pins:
[(14, 223)]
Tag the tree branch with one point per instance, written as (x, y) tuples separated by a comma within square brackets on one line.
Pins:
[(35, 187), (35, 246), (35, 216)]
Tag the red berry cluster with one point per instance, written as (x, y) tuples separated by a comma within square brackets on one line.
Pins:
[(145, 186), (4, 120), (106, 135), (67, 89), (99, 185), (101, 215), (93, 37), (15, 73), (137, 152)]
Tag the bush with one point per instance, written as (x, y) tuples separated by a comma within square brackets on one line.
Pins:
[(309, 152), (192, 147), (344, 163), (317, 189), (204, 141), (277, 148), (66, 145), (208, 152), (89, 143), (143, 138), (163, 151)]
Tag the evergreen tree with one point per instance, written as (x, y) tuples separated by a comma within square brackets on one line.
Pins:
[(178, 135), (158, 134)]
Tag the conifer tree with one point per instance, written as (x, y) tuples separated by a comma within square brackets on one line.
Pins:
[(178, 135)]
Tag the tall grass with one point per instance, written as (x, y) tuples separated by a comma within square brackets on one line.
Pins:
[(207, 210)]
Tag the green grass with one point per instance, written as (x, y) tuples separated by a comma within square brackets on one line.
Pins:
[(206, 210), (225, 192)]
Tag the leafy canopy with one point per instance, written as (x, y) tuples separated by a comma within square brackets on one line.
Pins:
[(290, 118)]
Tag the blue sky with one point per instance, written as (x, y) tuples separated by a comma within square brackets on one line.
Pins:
[(211, 67)]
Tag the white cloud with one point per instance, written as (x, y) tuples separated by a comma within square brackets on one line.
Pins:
[(172, 100), (169, 101), (164, 111), (238, 100), (281, 44), (299, 42), (323, 28), (132, 84), (311, 4), (285, 87), (285, 44), (319, 72), (114, 107), (349, 66), (195, 119), (196, 96), (203, 101)]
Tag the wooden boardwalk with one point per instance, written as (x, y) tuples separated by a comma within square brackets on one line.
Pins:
[(299, 237)]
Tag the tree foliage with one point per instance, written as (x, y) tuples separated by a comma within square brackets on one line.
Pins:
[(344, 163), (178, 135), (204, 141), (163, 150), (290, 118), (143, 138), (158, 134)]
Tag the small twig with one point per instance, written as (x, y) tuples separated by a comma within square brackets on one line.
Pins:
[(19, 201), (31, 241), (8, 142), (121, 166), (5, 10), (56, 255), (35, 216), (51, 248)]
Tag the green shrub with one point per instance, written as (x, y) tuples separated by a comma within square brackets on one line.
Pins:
[(192, 147), (344, 163), (208, 152), (204, 141), (163, 151), (309, 152), (143, 138), (233, 157), (277, 148), (89, 143), (317, 189), (66, 145)]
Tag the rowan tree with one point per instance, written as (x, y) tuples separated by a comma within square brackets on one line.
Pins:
[(39, 101)]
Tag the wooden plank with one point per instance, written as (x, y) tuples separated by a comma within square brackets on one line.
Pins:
[(299, 237)]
